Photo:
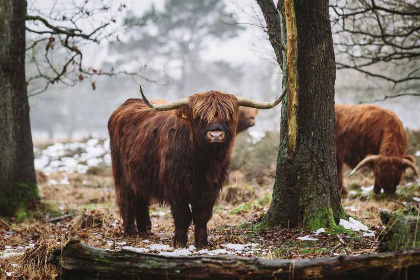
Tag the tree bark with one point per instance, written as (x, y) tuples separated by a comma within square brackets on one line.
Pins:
[(306, 191), (80, 261), (18, 188)]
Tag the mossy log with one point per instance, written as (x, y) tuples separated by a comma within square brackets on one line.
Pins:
[(80, 261), (402, 230)]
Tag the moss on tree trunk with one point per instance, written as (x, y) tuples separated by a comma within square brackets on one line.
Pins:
[(306, 191)]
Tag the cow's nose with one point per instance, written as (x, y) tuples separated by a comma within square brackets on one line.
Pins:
[(216, 136)]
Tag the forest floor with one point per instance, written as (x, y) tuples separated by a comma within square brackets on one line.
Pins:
[(85, 206)]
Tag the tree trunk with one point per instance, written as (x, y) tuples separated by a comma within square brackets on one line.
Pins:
[(18, 188), (80, 261), (306, 191)]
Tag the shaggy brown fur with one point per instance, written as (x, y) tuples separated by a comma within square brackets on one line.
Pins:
[(368, 129), (166, 156)]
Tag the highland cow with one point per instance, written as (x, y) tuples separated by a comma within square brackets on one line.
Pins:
[(373, 137), (177, 153)]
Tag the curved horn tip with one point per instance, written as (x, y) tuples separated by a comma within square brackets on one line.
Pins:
[(247, 102), (167, 106)]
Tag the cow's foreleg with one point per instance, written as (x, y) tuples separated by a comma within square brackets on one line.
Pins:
[(142, 215), (201, 216), (182, 217)]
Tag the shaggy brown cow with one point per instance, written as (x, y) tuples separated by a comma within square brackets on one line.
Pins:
[(368, 135), (176, 153), (246, 116)]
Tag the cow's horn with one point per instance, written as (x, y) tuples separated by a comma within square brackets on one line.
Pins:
[(246, 102), (365, 161), (166, 106), (411, 165)]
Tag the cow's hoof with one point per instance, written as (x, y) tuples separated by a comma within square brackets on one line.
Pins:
[(180, 242), (130, 231)]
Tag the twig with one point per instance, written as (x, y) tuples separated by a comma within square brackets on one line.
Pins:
[(57, 219)]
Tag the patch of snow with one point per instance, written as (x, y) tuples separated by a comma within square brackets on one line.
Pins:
[(307, 238), (417, 154), (177, 252), (53, 182), (367, 189), (369, 234), (5, 254), (137, 250), (353, 225), (351, 208), (318, 231), (218, 252), (65, 181), (93, 162), (121, 243), (416, 199), (235, 247), (160, 247), (192, 248), (82, 169), (256, 135)]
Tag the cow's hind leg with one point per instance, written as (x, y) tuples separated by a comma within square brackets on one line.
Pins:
[(182, 217), (126, 204), (142, 215)]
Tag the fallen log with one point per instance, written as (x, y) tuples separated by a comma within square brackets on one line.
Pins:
[(80, 261)]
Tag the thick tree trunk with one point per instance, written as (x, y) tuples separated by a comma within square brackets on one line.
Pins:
[(80, 261), (306, 192), (18, 187)]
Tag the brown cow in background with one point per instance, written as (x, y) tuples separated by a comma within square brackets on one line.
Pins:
[(176, 153), (370, 136), (246, 116)]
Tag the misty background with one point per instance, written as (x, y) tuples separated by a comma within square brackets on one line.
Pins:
[(179, 48)]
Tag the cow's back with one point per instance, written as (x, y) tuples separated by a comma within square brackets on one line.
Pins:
[(367, 129)]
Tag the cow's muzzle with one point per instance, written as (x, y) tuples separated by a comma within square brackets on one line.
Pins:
[(216, 136)]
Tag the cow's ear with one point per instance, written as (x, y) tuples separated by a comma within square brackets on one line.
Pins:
[(183, 113), (410, 158)]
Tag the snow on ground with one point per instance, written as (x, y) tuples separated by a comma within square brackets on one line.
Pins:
[(367, 189), (318, 231), (417, 154), (351, 208), (72, 157), (166, 250), (14, 251), (307, 238), (356, 225)]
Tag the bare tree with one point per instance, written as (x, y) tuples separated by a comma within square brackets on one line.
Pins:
[(380, 38), (58, 36)]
